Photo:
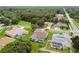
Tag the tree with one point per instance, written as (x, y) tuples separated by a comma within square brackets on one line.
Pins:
[(5, 21), (34, 26), (34, 20), (14, 21), (75, 41), (17, 47), (40, 23)]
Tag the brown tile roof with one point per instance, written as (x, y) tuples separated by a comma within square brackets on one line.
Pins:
[(5, 40), (12, 33), (39, 34)]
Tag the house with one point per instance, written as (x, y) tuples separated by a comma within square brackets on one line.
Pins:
[(2, 17), (60, 16), (48, 25), (60, 25), (39, 35), (57, 26), (61, 41), (5, 40), (1, 25), (16, 32), (57, 29)]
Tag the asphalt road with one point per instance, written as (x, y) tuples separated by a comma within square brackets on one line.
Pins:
[(74, 27)]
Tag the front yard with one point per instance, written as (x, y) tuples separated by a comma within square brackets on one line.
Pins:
[(2, 32), (24, 23)]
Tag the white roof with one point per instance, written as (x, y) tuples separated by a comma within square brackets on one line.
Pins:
[(62, 38), (1, 24), (59, 15)]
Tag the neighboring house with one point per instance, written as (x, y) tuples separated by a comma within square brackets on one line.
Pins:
[(16, 32), (60, 16), (39, 35), (61, 41), (5, 40), (59, 25), (2, 17), (48, 25), (1, 26), (57, 29)]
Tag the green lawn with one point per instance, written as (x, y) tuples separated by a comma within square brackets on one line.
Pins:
[(35, 45), (27, 36), (65, 50), (49, 35), (2, 33), (24, 23), (41, 44), (48, 47)]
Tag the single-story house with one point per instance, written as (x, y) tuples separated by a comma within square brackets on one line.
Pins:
[(16, 32), (2, 17), (61, 41), (49, 24), (60, 16), (1, 25), (39, 35), (59, 25), (5, 40)]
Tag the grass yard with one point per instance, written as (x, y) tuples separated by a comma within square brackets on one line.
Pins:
[(48, 47), (58, 32), (24, 23), (67, 50), (35, 45), (49, 35), (27, 36), (2, 33), (41, 44)]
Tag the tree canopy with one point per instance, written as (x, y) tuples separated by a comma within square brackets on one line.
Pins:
[(33, 15), (75, 41), (17, 47)]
